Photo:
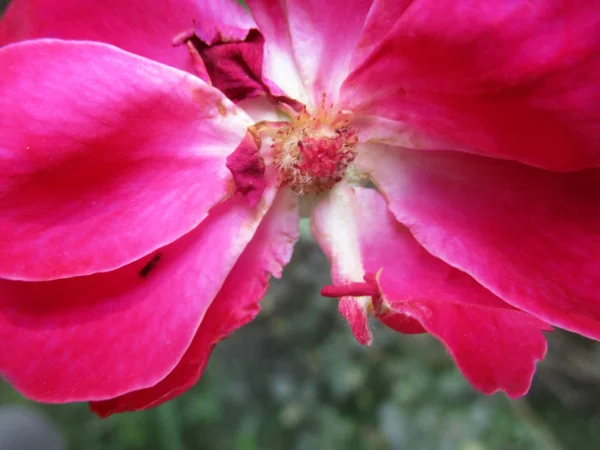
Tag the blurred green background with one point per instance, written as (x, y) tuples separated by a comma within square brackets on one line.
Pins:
[(296, 379)]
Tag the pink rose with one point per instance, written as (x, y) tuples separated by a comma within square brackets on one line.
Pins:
[(148, 190)]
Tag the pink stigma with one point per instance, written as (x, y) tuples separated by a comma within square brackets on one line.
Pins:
[(324, 159), (368, 288)]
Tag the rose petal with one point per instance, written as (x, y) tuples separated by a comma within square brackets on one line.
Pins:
[(334, 228), (531, 237), (320, 34), (260, 109), (100, 336), (516, 80), (96, 172), (279, 63), (380, 20), (379, 130), (235, 305), (495, 346), (132, 25)]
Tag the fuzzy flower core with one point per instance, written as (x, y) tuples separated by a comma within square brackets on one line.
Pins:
[(314, 151)]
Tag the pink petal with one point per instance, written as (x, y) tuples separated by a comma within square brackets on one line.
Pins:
[(354, 312), (100, 336), (96, 172), (132, 25), (379, 130), (381, 18), (279, 62), (530, 236), (321, 35), (495, 346), (334, 228), (515, 80), (236, 305)]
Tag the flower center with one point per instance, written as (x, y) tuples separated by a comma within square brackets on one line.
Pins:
[(313, 152)]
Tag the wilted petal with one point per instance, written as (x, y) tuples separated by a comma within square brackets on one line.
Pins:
[(235, 305), (320, 34), (515, 80), (104, 157), (103, 335), (247, 167), (233, 63), (133, 25), (494, 345), (530, 236)]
